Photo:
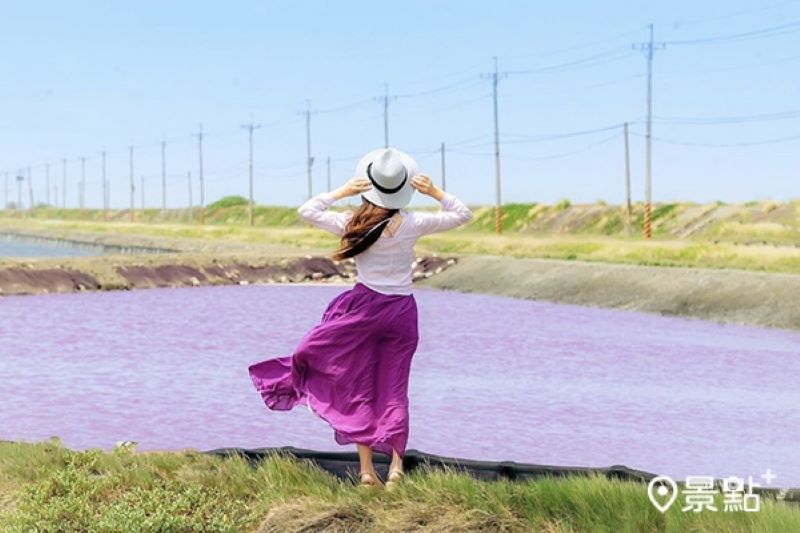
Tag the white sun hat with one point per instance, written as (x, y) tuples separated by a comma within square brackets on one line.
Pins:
[(390, 172)]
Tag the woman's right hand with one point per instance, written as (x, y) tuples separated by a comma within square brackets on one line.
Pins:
[(425, 185), (353, 186)]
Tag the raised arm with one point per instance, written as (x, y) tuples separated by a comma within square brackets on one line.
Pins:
[(315, 211), (454, 213)]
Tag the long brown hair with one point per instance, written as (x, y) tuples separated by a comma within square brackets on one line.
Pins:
[(363, 229)]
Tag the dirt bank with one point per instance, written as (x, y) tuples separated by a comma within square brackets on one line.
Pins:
[(182, 270), (732, 296)]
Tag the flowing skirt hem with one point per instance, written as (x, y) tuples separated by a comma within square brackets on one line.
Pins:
[(288, 398)]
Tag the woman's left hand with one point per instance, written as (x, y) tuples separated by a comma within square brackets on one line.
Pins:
[(425, 185)]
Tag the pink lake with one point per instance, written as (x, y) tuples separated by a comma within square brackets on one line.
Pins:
[(494, 379)]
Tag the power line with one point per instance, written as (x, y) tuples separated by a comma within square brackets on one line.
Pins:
[(388, 98), (556, 136), (742, 119), (546, 157), (772, 31), (463, 83), (346, 107), (587, 44), (561, 90), (527, 139), (774, 140), (571, 152), (740, 13), (591, 61), (612, 54)]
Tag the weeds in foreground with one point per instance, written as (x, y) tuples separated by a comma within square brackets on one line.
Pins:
[(50, 488)]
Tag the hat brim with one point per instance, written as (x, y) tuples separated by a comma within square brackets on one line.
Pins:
[(395, 200)]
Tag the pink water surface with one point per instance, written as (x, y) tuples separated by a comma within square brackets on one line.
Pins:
[(494, 378)]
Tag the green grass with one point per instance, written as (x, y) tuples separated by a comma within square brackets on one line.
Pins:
[(657, 252), (775, 222), (45, 487)]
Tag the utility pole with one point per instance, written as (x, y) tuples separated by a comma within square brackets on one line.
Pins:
[(30, 189), (627, 183), (133, 187), (82, 190), (495, 76), (202, 190), (309, 159), (105, 184), (189, 179), (498, 215), (250, 127), (443, 168), (47, 182), (384, 100), (141, 183), (20, 177), (64, 183), (649, 49), (328, 162), (164, 175)]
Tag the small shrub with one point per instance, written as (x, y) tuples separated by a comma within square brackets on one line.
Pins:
[(228, 201)]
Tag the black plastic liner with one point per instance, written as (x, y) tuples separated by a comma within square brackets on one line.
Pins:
[(345, 465)]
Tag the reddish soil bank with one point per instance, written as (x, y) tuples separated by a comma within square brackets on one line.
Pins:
[(18, 280), (171, 271)]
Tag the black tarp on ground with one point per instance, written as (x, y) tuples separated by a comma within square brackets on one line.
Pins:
[(345, 465)]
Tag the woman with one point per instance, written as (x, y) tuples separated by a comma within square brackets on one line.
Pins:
[(352, 368)]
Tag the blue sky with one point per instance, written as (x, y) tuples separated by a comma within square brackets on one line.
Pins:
[(79, 77)]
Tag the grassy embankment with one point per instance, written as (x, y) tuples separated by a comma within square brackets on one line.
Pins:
[(762, 236), (45, 487)]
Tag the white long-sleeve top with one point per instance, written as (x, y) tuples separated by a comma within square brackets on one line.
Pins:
[(386, 266)]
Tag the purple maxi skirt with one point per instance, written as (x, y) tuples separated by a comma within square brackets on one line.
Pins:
[(351, 369)]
